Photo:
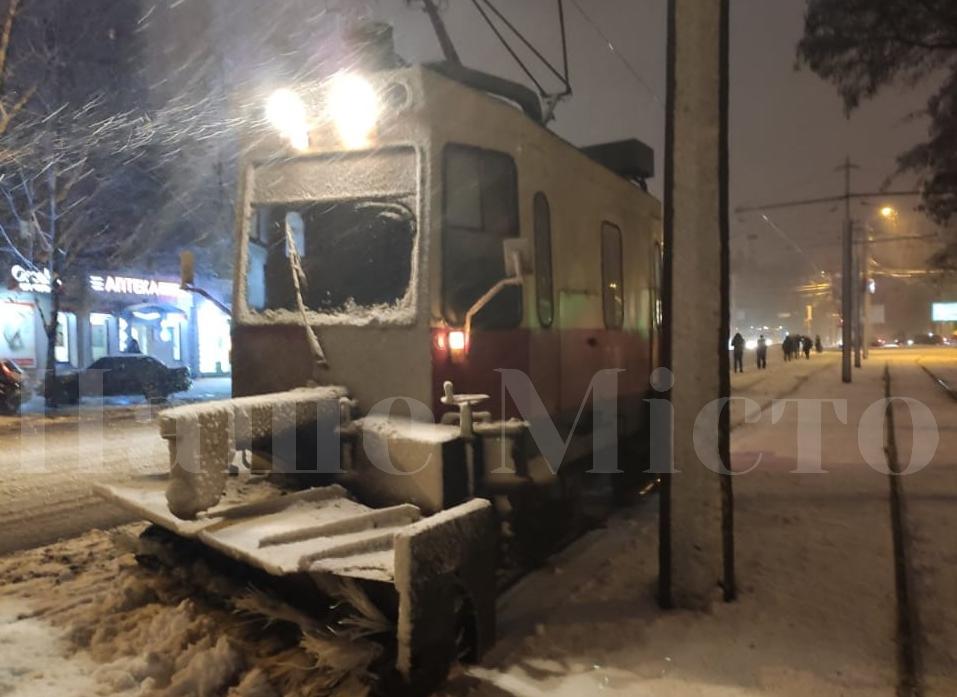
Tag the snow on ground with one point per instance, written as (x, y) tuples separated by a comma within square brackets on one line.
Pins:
[(816, 611), (83, 618), (45, 491), (33, 657), (779, 380), (930, 514), (815, 614)]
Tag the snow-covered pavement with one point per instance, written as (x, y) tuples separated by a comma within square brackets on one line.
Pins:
[(48, 471), (817, 612), (780, 379), (48, 465)]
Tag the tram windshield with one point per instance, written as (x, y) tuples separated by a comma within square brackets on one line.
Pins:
[(355, 251)]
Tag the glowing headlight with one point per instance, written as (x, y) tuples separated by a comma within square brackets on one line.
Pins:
[(354, 108), (286, 111), (751, 344)]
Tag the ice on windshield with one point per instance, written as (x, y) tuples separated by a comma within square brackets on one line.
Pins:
[(351, 219)]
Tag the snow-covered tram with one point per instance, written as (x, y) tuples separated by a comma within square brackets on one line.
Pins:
[(428, 282), (408, 222)]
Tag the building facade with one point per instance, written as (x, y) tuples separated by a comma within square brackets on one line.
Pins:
[(109, 312)]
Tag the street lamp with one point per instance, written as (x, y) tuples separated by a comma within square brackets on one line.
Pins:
[(888, 213)]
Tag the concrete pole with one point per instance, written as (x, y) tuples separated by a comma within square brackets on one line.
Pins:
[(858, 301), (866, 280), (847, 276), (697, 546)]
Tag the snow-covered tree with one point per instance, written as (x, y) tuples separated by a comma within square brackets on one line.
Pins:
[(99, 168)]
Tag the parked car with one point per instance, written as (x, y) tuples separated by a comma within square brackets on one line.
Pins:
[(14, 387), (928, 339), (129, 374)]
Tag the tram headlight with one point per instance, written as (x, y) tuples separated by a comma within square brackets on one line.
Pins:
[(286, 111), (354, 107)]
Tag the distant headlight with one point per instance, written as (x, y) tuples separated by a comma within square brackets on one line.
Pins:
[(751, 344)]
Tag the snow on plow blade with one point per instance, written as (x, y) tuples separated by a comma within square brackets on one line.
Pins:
[(442, 567), (434, 563)]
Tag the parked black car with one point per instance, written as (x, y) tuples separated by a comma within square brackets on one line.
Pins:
[(14, 387), (928, 339), (129, 374)]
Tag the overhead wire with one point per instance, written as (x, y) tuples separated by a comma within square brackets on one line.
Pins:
[(551, 98), (624, 61), (529, 44), (508, 47)]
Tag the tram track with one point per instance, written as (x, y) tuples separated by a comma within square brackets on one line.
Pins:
[(947, 387), (908, 633)]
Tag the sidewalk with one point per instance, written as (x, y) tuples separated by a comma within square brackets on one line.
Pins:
[(817, 608), (779, 380)]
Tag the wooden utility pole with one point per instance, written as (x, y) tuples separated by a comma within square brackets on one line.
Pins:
[(696, 545)]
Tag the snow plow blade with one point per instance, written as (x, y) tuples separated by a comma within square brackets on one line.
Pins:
[(436, 564)]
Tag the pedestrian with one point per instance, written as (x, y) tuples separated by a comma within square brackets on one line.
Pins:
[(818, 346), (787, 347), (807, 345), (132, 346), (737, 345), (762, 353)]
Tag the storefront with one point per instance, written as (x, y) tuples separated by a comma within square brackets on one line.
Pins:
[(109, 313), (23, 306)]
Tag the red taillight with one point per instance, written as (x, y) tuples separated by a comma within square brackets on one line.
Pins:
[(451, 344)]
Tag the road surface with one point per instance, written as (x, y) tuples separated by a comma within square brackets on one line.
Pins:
[(49, 466), (48, 470)]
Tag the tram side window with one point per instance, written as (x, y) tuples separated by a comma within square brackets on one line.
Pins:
[(543, 261), (480, 203), (611, 274)]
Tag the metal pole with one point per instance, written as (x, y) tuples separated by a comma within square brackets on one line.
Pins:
[(858, 341), (847, 281), (866, 280), (441, 33)]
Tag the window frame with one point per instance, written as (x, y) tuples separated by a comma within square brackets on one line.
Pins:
[(544, 268), (657, 311), (446, 226), (618, 321)]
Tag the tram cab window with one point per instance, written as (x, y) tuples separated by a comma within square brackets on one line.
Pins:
[(355, 254), (480, 206), (612, 276), (543, 261)]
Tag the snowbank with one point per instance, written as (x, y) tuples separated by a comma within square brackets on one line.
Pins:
[(82, 617)]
